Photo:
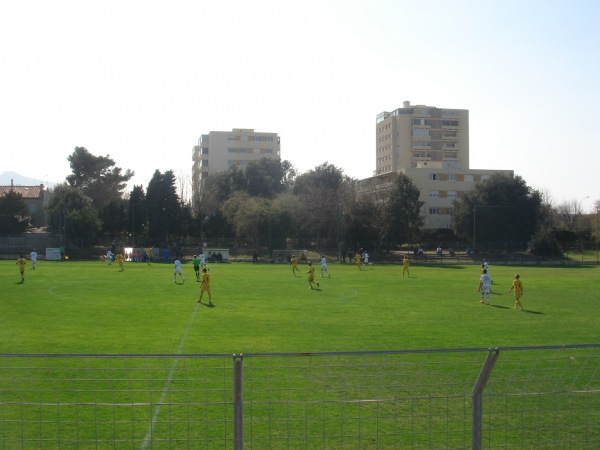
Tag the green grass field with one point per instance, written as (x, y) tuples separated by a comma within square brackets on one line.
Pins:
[(93, 308)]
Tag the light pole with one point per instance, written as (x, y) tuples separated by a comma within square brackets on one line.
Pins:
[(597, 234), (339, 232), (578, 212), (474, 224)]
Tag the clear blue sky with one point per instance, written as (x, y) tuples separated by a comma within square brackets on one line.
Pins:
[(142, 80)]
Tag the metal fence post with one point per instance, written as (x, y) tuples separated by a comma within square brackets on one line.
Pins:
[(482, 380), (238, 402)]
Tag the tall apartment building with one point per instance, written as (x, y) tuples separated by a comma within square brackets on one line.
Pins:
[(219, 150), (431, 146)]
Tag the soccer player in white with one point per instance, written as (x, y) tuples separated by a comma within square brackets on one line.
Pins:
[(202, 260), (178, 271), (34, 256), (484, 286), (486, 266), (324, 266)]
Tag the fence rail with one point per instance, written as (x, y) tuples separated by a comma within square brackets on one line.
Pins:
[(517, 397)]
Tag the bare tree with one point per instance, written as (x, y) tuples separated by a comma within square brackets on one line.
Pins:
[(568, 214), (184, 186)]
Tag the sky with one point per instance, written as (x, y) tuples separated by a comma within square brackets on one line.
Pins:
[(140, 81)]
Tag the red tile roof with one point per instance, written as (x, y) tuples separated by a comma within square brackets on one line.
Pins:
[(25, 191)]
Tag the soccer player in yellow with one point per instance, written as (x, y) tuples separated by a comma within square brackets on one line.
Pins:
[(311, 275), (119, 259), (357, 260), (405, 267), (205, 286), (517, 286), (294, 264), (22, 263), (149, 255)]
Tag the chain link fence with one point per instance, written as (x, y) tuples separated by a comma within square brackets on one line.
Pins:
[(526, 397)]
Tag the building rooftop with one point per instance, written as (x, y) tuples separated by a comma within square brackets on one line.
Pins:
[(25, 191)]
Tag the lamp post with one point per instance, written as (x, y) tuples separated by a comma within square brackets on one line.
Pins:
[(474, 224), (597, 234), (339, 232), (578, 212)]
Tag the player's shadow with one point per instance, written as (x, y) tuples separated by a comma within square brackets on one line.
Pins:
[(533, 312), (499, 306), (207, 305)]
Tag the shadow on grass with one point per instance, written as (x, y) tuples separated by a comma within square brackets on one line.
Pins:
[(532, 312), (499, 306), (208, 305)]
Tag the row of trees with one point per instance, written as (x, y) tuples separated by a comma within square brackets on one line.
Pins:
[(269, 203), (266, 202)]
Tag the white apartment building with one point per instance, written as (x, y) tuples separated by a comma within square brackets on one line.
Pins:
[(431, 146), (219, 150)]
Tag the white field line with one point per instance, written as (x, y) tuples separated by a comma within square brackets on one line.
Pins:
[(168, 382)]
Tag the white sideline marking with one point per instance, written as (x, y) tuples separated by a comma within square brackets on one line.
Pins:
[(168, 383)]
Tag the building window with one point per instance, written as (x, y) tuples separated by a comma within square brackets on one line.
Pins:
[(469, 178), (434, 194), (423, 122), (231, 138), (449, 123), (420, 132), (231, 150), (451, 165), (451, 194), (485, 177), (434, 177), (451, 177), (421, 143), (434, 211)]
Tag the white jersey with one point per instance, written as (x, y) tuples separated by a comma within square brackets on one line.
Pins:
[(202, 259), (485, 283), (366, 257), (324, 263), (177, 266), (34, 256)]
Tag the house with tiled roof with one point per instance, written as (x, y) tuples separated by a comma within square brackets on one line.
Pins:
[(34, 197)]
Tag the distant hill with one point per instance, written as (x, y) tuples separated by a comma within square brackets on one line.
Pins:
[(20, 180)]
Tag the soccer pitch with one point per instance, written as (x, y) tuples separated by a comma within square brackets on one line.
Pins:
[(343, 401), (92, 307)]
